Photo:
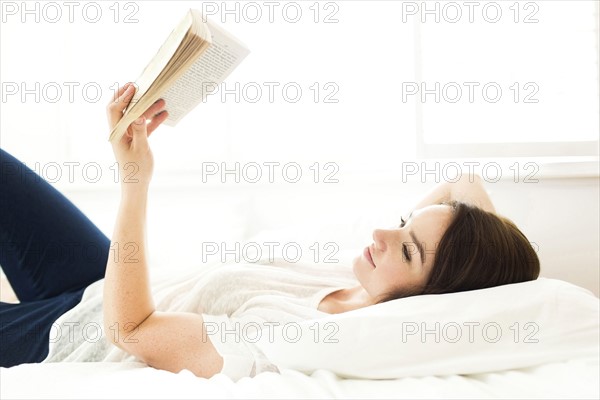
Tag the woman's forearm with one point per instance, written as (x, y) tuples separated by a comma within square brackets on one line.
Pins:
[(469, 189), (127, 296)]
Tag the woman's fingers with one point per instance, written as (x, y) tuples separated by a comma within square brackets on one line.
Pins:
[(154, 109), (116, 107), (121, 91), (156, 121), (156, 113)]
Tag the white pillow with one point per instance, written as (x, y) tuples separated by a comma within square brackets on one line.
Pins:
[(505, 327)]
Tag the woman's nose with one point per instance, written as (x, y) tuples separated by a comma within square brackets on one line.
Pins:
[(381, 238)]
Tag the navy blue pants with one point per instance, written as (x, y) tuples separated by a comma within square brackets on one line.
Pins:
[(50, 252)]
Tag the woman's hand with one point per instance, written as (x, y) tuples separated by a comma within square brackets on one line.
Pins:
[(132, 151)]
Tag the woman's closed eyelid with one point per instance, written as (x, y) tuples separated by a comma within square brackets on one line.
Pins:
[(405, 253)]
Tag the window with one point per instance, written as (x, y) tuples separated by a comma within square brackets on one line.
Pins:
[(521, 80)]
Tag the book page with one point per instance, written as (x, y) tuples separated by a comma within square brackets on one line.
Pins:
[(214, 65), (161, 59)]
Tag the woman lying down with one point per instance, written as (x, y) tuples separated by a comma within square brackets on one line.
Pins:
[(62, 297)]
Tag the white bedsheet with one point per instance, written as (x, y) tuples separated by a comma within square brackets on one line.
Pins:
[(577, 379)]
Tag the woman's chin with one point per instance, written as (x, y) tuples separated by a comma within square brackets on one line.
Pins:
[(357, 268), (355, 263)]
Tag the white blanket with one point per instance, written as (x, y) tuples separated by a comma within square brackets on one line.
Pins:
[(573, 379)]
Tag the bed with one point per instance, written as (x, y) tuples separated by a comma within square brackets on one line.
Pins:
[(575, 379), (558, 358)]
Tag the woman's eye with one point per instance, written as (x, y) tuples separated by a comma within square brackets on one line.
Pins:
[(402, 222), (405, 252)]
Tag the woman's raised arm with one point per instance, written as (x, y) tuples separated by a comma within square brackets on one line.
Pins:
[(165, 340), (468, 189)]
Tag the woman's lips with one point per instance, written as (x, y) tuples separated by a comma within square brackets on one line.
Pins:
[(367, 254)]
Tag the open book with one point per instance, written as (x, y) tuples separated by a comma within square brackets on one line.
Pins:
[(197, 56)]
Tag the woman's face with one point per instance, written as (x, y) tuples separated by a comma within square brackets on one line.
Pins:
[(402, 257)]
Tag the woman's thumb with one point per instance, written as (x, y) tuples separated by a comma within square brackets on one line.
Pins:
[(139, 129)]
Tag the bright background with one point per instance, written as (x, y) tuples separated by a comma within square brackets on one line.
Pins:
[(368, 52)]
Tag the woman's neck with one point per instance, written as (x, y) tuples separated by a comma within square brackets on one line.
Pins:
[(346, 300)]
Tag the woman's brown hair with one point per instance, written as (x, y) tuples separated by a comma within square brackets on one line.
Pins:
[(478, 250)]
